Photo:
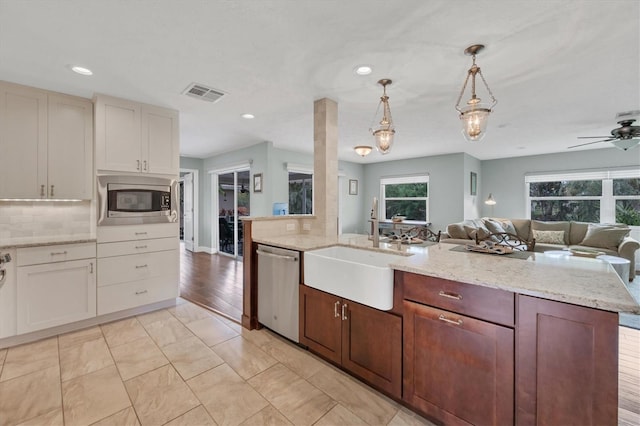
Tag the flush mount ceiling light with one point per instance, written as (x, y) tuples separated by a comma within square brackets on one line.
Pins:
[(363, 70), (475, 115), (248, 116), (384, 133), (362, 150), (81, 70)]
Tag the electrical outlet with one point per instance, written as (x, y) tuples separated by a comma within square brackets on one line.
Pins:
[(291, 226), (306, 226)]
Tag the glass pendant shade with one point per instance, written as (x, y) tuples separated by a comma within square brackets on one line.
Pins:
[(385, 132), (384, 140), (625, 144)]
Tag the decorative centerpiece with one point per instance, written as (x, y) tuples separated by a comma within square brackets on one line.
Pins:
[(489, 247)]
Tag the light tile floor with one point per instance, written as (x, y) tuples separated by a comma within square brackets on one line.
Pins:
[(182, 366)]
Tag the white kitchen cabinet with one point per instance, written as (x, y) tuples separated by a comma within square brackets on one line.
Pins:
[(56, 292), (47, 141), (134, 137), (137, 265), (23, 138)]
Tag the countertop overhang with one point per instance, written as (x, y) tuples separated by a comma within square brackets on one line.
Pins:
[(579, 281), (25, 242)]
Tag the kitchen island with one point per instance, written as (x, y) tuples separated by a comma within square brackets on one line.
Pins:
[(484, 338)]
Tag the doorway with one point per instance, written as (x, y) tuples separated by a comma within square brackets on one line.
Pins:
[(233, 201), (189, 208)]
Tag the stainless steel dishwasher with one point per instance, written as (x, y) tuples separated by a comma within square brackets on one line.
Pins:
[(278, 281)]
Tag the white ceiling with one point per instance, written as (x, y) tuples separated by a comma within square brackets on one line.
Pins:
[(559, 69)]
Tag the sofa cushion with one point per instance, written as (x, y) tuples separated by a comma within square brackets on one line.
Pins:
[(604, 236), (551, 226), (542, 247), (600, 249), (523, 227), (577, 232), (548, 237), (456, 230)]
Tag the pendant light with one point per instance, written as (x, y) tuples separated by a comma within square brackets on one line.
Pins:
[(475, 114), (385, 132)]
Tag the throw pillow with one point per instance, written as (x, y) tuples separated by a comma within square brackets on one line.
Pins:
[(551, 226), (494, 226), (508, 226), (456, 230), (481, 232), (604, 236), (549, 237)]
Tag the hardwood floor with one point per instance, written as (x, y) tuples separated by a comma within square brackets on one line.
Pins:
[(215, 281), (212, 281)]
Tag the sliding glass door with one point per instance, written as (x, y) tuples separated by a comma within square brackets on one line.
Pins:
[(233, 201)]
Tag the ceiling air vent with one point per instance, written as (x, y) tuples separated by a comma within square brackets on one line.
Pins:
[(200, 91)]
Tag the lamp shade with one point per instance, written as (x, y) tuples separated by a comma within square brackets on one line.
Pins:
[(490, 201), (625, 144)]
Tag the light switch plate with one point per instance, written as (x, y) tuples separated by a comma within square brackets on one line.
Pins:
[(291, 226), (306, 226)]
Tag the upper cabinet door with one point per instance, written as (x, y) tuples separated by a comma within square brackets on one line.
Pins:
[(23, 138), (70, 145), (117, 135), (160, 148)]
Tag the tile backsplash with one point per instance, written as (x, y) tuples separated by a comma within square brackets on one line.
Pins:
[(23, 219)]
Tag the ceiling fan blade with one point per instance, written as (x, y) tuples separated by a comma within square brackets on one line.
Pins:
[(588, 143), (594, 137)]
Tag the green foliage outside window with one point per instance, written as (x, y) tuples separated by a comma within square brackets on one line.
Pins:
[(400, 199), (571, 188), (301, 196), (566, 210)]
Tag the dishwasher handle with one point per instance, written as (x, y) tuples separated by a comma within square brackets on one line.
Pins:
[(277, 256)]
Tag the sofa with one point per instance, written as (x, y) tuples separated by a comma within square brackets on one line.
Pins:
[(611, 239)]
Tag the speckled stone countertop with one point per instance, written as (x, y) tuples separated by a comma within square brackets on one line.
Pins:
[(46, 241), (576, 280)]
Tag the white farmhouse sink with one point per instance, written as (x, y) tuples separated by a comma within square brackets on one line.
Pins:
[(363, 276)]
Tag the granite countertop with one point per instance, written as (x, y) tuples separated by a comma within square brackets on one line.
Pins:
[(570, 279), (46, 241)]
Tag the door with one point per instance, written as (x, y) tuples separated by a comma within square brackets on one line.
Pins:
[(372, 345), (233, 202), (70, 148), (187, 211), (159, 140), (23, 138), (456, 368), (321, 323), (118, 137)]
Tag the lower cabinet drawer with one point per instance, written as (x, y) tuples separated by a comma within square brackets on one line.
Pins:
[(122, 269), (121, 248), (122, 296), (55, 253)]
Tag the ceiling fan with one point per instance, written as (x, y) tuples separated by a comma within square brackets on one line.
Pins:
[(624, 137)]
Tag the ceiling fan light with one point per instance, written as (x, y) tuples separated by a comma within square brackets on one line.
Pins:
[(625, 144), (363, 150)]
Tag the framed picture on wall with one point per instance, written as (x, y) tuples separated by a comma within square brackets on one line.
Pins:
[(257, 182), (353, 187), (474, 183)]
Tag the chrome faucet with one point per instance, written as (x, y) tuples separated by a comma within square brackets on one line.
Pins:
[(375, 232)]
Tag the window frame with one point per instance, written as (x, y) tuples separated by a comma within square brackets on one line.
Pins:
[(394, 180), (607, 199)]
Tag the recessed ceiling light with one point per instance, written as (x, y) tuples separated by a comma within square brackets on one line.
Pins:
[(248, 116), (363, 70), (81, 70)]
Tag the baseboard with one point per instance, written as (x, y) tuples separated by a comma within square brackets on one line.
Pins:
[(206, 249), (79, 325)]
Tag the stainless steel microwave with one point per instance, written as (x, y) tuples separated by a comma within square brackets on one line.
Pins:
[(135, 200)]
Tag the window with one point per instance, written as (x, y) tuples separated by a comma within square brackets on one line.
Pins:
[(300, 192), (603, 196), (405, 196)]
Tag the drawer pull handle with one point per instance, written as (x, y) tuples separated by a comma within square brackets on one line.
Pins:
[(335, 309), (91, 267), (58, 253), (141, 266), (141, 292), (454, 322), (141, 233), (141, 247), (344, 315), (450, 295)]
